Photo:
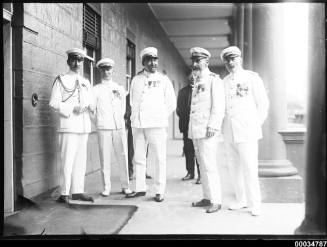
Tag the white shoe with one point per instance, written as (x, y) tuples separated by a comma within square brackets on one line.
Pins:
[(237, 206), (105, 193), (255, 211), (126, 191)]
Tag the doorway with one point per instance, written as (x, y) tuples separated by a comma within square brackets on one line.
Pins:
[(8, 109)]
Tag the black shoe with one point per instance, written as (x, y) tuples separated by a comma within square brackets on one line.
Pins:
[(188, 176), (202, 203), (198, 181), (159, 198), (63, 199), (214, 208), (148, 176), (135, 194), (82, 197)]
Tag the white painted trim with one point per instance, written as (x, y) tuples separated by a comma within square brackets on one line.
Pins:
[(89, 58), (7, 15)]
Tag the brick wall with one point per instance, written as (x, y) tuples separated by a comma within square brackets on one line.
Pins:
[(49, 29)]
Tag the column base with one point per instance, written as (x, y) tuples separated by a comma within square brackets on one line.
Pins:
[(276, 168), (288, 189), (280, 182), (310, 227)]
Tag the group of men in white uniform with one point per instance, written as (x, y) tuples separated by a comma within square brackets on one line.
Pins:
[(230, 110)]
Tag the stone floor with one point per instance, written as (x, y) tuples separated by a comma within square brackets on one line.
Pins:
[(176, 216)]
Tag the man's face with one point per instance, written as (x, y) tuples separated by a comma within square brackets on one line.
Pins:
[(106, 72), (75, 62), (199, 63), (151, 64), (233, 63)]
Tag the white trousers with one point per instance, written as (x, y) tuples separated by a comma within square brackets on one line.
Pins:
[(157, 139), (73, 151), (206, 154), (243, 167), (113, 141)]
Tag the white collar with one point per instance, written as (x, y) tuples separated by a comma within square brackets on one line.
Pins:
[(72, 73), (237, 73), (148, 74), (107, 82)]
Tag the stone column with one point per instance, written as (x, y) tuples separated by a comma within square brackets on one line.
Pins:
[(279, 180), (240, 26), (247, 42), (244, 32), (315, 182)]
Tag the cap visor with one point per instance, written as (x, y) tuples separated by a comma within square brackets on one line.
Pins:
[(231, 55), (198, 56)]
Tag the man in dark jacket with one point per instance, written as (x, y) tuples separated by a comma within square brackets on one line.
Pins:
[(129, 138), (183, 112)]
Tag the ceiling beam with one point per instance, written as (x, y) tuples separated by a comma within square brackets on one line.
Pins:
[(193, 19)]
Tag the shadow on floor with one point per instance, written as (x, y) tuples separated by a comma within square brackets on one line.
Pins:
[(52, 218)]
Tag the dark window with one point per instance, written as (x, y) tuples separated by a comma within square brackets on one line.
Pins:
[(7, 6), (130, 62), (91, 43)]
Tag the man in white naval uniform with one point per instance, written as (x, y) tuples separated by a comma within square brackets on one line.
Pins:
[(110, 103), (246, 110), (152, 99), (206, 115), (72, 99)]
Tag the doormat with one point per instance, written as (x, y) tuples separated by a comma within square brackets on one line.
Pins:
[(52, 218)]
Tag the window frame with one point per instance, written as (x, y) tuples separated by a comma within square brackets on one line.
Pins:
[(94, 48)]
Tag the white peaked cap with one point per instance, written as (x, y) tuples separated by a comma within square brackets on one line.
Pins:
[(230, 51), (149, 51), (76, 51), (199, 52), (105, 62)]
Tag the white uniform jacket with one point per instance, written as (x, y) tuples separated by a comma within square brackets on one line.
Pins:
[(246, 106), (69, 91), (110, 102), (208, 105), (153, 99)]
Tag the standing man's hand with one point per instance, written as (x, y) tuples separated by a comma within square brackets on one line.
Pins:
[(91, 108), (79, 109), (76, 109), (210, 132)]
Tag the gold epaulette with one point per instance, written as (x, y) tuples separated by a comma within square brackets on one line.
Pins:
[(58, 77)]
